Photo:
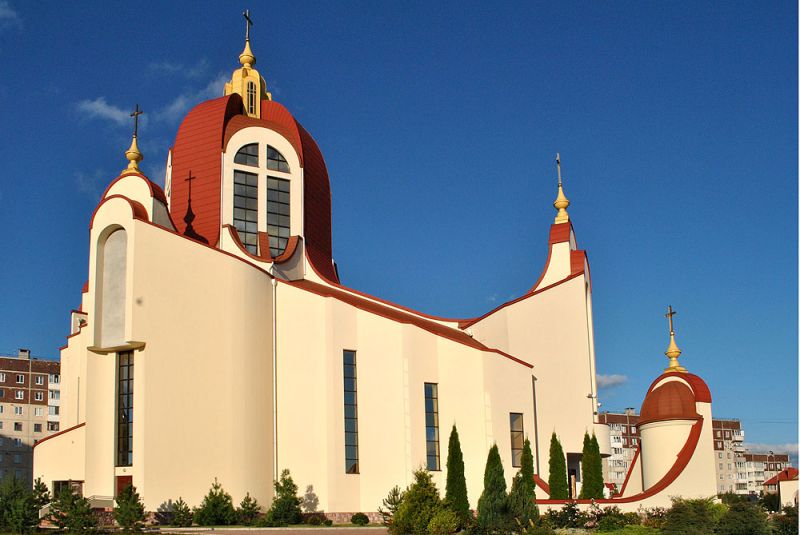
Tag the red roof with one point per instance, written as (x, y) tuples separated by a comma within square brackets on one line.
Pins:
[(672, 400), (790, 474), (202, 137)]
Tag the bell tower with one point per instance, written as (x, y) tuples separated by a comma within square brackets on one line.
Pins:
[(246, 81)]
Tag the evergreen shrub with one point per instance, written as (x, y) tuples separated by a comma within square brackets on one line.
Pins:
[(557, 476), (692, 517), (181, 514), (420, 504), (786, 523), (522, 498), (285, 508), (216, 509), (390, 504), (744, 519), (456, 487), (71, 511), (248, 510), (444, 522), (129, 511), (359, 519), (493, 515)]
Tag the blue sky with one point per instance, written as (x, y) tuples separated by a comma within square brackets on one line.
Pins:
[(676, 122)]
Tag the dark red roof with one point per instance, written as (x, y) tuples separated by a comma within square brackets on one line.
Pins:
[(790, 474), (669, 401)]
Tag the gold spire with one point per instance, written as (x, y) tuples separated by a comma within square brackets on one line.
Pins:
[(133, 154), (673, 351), (561, 203), (246, 58)]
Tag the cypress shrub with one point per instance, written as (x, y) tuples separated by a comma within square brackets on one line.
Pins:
[(587, 484), (596, 468), (522, 498), (557, 477), (419, 505), (455, 496), (129, 511), (493, 503)]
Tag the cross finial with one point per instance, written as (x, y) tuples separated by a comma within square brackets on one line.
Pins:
[(561, 203), (558, 165), (669, 315), (246, 15), (135, 114)]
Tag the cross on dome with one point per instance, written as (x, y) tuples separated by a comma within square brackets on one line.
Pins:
[(561, 203), (673, 351), (133, 154)]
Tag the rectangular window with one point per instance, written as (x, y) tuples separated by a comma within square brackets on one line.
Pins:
[(2, 378), (40, 379), (19, 394), (18, 442), (17, 426), (55, 394), (37, 428), (19, 411), (52, 410), (277, 214), (517, 438), (54, 378), (432, 426), (245, 208), (38, 396), (125, 409), (52, 426), (17, 458), (350, 414), (38, 411), (20, 379)]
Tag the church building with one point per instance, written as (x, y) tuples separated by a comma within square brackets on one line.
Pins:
[(215, 340)]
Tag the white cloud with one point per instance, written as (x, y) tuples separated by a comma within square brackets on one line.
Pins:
[(91, 183), (760, 447), (99, 108), (8, 17), (610, 380), (167, 67), (176, 109)]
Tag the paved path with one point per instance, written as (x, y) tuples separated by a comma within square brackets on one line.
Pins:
[(378, 530)]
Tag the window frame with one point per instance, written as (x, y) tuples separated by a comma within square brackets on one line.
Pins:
[(516, 452), (351, 442), (431, 394)]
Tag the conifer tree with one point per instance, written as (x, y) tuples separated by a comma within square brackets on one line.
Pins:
[(129, 511), (493, 503), (587, 483), (456, 487), (557, 477), (420, 504), (522, 498), (596, 469)]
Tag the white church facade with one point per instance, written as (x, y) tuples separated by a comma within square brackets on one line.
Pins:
[(215, 340)]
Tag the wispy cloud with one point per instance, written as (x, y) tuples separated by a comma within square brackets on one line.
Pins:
[(8, 17), (610, 380), (198, 70), (181, 104), (91, 183), (761, 447), (100, 109)]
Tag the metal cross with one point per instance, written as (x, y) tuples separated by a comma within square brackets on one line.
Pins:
[(189, 180), (135, 114), (246, 16), (558, 164), (669, 315)]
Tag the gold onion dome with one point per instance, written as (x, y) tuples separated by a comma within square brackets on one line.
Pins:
[(246, 58), (673, 351), (561, 203), (134, 156)]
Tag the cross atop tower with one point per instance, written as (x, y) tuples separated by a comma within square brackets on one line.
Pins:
[(561, 203), (669, 315), (558, 165), (246, 15), (673, 351), (135, 114)]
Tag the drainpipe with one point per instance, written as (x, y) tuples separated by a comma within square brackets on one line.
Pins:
[(274, 377)]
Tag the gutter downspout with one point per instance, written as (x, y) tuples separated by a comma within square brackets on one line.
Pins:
[(274, 377)]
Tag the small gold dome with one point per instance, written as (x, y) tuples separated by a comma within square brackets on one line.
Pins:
[(246, 58), (134, 156)]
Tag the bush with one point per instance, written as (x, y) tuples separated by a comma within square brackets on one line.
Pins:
[(359, 519), (248, 510), (71, 511), (653, 517), (315, 520), (743, 519), (444, 522), (771, 502), (420, 504), (328, 522), (691, 517), (456, 486), (216, 509), (568, 516), (785, 524), (537, 529), (129, 511), (181, 514), (18, 511), (391, 502), (557, 476)]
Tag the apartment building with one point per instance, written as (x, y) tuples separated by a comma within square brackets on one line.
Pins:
[(29, 409), (761, 467), (729, 455), (624, 434)]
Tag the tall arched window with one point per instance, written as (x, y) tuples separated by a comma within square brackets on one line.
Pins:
[(247, 155), (276, 161), (251, 98), (112, 282), (245, 208), (277, 214)]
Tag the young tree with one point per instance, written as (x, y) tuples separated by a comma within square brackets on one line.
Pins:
[(41, 494), (587, 485), (217, 508), (181, 514), (455, 497), (493, 503), (420, 504), (522, 498), (22, 516), (557, 477), (71, 511), (285, 508), (129, 511), (248, 510), (391, 503)]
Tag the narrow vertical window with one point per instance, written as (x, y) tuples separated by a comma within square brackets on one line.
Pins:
[(277, 215), (517, 439), (251, 98), (350, 414), (245, 208), (432, 425), (125, 409)]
